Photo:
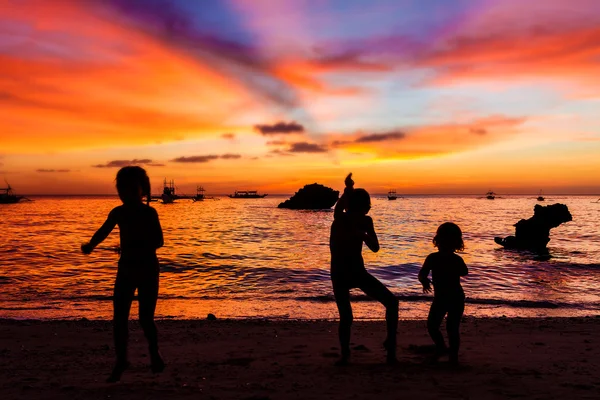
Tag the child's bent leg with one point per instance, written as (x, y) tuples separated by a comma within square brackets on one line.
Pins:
[(122, 297), (434, 320), (342, 299), (377, 290), (455, 313), (147, 297)]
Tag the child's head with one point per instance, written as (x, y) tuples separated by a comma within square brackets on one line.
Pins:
[(133, 184), (449, 237), (359, 202)]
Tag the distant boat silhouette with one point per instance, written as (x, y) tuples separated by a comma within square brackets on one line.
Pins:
[(8, 197), (540, 197), (247, 194), (168, 195), (392, 195), (490, 195), (199, 194)]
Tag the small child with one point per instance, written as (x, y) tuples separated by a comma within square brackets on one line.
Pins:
[(349, 231), (446, 269), (140, 235)]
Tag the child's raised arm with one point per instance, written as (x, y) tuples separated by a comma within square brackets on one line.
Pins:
[(342, 203), (101, 233)]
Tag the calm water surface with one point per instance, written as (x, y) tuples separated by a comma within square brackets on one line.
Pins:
[(246, 258)]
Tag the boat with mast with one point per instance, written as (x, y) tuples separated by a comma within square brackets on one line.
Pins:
[(540, 196), (490, 195), (392, 195), (199, 194), (247, 194), (9, 197)]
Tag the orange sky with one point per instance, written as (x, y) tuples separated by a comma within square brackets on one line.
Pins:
[(483, 95)]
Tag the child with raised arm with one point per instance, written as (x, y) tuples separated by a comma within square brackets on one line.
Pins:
[(140, 235), (349, 230), (449, 298)]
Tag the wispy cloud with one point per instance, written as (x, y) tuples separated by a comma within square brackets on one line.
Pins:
[(52, 170), (279, 128), (305, 147), (206, 158), (124, 163)]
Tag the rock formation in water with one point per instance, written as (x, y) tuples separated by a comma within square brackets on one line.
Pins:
[(312, 197), (534, 233)]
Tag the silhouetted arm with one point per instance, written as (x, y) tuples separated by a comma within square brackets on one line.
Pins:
[(371, 237), (462, 268), (424, 275), (158, 233), (340, 206), (101, 233), (342, 203)]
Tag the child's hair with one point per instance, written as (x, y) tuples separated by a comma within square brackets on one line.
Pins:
[(129, 180), (449, 237), (359, 200)]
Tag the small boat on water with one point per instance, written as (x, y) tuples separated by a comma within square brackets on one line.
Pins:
[(168, 195), (247, 194), (541, 197), (392, 195), (490, 195), (199, 194), (8, 197)]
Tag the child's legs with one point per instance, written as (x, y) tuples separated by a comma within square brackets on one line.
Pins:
[(434, 320), (377, 290), (341, 293), (147, 297), (122, 297), (455, 313)]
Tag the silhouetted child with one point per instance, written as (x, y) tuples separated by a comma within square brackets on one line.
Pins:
[(140, 234), (449, 298), (348, 232)]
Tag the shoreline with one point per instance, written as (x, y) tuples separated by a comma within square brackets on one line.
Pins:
[(271, 359)]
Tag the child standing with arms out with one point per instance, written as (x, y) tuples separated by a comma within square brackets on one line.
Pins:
[(140, 235), (349, 231), (449, 298)]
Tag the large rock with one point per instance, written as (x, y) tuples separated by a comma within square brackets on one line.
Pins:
[(312, 197), (534, 233)]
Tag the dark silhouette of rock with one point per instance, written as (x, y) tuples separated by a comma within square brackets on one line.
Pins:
[(312, 197), (534, 233), (211, 317)]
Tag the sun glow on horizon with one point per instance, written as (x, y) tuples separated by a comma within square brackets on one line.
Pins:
[(236, 95)]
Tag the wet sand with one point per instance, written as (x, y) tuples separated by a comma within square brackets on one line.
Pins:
[(245, 359)]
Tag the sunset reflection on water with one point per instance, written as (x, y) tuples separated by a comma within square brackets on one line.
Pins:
[(247, 258)]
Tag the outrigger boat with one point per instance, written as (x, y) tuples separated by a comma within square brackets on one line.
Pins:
[(247, 194), (392, 195), (8, 197), (169, 196)]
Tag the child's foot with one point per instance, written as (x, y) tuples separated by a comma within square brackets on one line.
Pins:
[(157, 363), (390, 348), (453, 360), (119, 368), (344, 360), (435, 357)]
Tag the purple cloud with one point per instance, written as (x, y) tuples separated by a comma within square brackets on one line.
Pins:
[(283, 128)]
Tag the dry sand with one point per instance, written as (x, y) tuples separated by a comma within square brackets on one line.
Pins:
[(501, 358)]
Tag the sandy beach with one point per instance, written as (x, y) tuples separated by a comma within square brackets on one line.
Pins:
[(246, 359)]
